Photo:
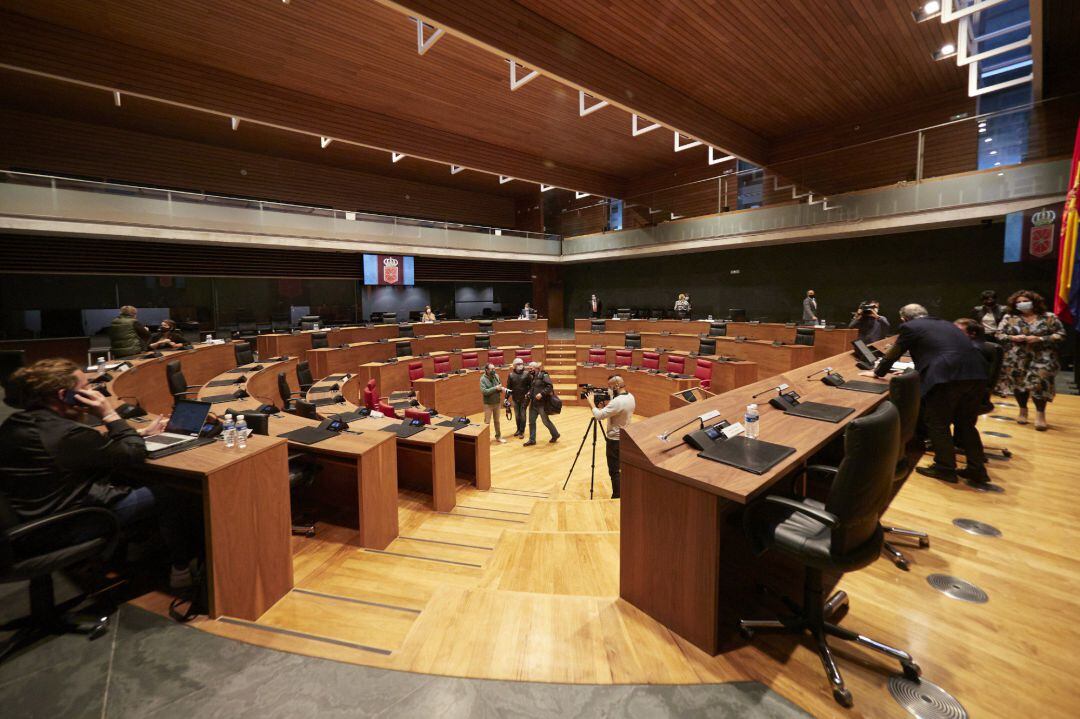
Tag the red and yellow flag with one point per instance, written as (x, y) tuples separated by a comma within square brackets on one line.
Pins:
[(1067, 296)]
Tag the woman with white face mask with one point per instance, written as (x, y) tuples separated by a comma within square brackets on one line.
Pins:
[(1030, 336)]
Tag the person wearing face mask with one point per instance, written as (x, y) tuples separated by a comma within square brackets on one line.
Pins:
[(953, 375), (1030, 335), (168, 337), (618, 412), (809, 307), (518, 383), (988, 313), (50, 461), (491, 389)]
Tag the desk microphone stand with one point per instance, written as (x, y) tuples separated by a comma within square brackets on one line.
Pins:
[(593, 424)]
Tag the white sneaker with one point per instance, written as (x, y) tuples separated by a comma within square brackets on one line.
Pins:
[(500, 440)]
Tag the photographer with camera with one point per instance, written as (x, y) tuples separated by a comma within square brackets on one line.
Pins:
[(872, 326), (616, 405)]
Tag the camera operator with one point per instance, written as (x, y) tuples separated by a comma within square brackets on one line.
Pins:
[(618, 411), (872, 326)]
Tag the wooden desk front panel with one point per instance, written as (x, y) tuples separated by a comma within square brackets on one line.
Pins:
[(472, 454), (206, 362), (276, 345), (540, 325), (771, 359), (828, 343), (337, 360), (429, 467), (518, 339), (447, 327), (456, 394), (443, 343), (262, 385), (761, 331), (652, 393), (70, 348), (348, 335)]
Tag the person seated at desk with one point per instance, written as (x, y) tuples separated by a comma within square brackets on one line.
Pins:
[(50, 461), (168, 337), (428, 315), (527, 312), (127, 336), (953, 377)]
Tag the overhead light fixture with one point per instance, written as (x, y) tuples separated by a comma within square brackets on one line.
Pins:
[(988, 139), (116, 98), (234, 122), (947, 50), (455, 169), (396, 156), (993, 152), (982, 130), (503, 179), (996, 164), (324, 142), (636, 129), (929, 10), (545, 188)]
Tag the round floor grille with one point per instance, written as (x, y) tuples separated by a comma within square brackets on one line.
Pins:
[(925, 700), (957, 588), (1002, 418), (974, 526)]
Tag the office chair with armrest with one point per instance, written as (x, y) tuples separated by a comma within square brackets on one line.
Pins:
[(994, 354), (441, 364), (706, 346), (403, 348), (597, 326), (319, 341), (10, 360), (178, 386), (308, 322), (482, 341), (389, 318), (650, 360), (302, 471), (597, 355), (305, 409), (416, 371), (288, 397), (718, 329), (421, 414), (303, 376), (247, 329), (805, 336), (387, 410), (840, 535), (525, 355), (470, 360), (34, 549), (676, 364), (404, 329), (905, 395), (497, 356), (632, 340), (703, 373), (624, 358), (244, 354)]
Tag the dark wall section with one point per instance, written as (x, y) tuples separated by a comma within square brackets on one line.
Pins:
[(945, 270)]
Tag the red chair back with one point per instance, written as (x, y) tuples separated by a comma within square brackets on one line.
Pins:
[(624, 358), (371, 395), (421, 414), (470, 360), (388, 410), (442, 365), (416, 370), (703, 372), (597, 355), (676, 364), (650, 360), (526, 355), (497, 356)]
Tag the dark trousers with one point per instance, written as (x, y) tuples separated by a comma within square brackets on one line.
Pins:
[(953, 407), (520, 408), (537, 409), (613, 466)]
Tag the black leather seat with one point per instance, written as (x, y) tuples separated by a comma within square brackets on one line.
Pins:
[(597, 326), (10, 360), (308, 322), (35, 549), (244, 354), (804, 336), (904, 394), (706, 346), (994, 354), (303, 376), (632, 340), (302, 470), (485, 326), (404, 349), (405, 330), (389, 318), (841, 534), (482, 341), (319, 341), (288, 397), (305, 409), (178, 386), (718, 329)]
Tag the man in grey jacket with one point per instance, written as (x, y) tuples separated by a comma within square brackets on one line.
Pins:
[(809, 307)]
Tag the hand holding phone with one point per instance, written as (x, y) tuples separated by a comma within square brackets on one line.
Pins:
[(91, 400)]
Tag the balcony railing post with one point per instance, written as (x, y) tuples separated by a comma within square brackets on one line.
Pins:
[(919, 157)]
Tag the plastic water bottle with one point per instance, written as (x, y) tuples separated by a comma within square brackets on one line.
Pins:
[(750, 421), (209, 338), (228, 431), (100, 364), (241, 432)]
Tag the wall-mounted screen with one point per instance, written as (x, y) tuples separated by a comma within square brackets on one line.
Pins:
[(388, 270)]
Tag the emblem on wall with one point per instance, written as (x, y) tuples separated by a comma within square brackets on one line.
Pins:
[(1041, 239), (390, 270)]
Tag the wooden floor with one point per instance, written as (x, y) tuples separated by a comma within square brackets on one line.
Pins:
[(521, 583)]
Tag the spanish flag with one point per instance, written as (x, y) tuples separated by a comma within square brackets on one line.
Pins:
[(1067, 296)]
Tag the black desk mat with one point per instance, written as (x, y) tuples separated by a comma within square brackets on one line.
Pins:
[(245, 368), (334, 377), (308, 435), (749, 455), (403, 430), (223, 383), (326, 401), (860, 386), (816, 410), (219, 398), (350, 416), (451, 423), (178, 448)]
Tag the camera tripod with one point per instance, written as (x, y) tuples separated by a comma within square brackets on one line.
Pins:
[(594, 423)]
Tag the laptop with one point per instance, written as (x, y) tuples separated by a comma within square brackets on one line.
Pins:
[(186, 422)]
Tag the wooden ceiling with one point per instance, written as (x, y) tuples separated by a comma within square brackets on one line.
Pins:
[(742, 74)]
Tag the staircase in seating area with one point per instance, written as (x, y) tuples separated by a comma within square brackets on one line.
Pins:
[(560, 363)]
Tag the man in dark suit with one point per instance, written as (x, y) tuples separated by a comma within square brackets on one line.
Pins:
[(954, 375)]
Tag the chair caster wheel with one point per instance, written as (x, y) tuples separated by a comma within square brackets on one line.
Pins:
[(99, 631), (747, 633), (843, 697), (924, 542), (912, 671)]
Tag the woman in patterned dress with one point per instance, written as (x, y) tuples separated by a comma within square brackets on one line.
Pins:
[(1030, 336)]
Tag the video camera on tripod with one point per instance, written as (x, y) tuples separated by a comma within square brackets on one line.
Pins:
[(601, 395)]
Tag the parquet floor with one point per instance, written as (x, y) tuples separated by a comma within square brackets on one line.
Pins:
[(522, 583)]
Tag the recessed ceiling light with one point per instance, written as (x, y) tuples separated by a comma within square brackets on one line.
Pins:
[(993, 152), (931, 7), (1001, 174), (927, 11), (947, 50), (996, 164), (982, 130), (988, 139)]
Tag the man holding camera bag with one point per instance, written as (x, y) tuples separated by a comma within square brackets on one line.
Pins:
[(618, 411)]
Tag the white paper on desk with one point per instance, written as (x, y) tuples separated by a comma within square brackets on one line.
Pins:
[(903, 365), (733, 430)]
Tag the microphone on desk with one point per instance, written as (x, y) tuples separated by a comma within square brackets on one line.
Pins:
[(826, 370), (701, 418), (779, 388)]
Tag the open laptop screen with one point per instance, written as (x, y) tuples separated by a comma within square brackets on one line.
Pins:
[(188, 417)]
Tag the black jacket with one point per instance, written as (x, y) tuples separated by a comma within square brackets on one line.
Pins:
[(517, 383), (49, 463), (871, 329), (941, 351), (541, 385)]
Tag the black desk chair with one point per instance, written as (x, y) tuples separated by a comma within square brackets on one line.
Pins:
[(706, 346), (405, 330), (905, 395), (632, 340), (308, 322), (178, 385), (244, 353), (319, 341), (482, 341), (34, 550), (597, 325), (302, 470), (804, 336), (718, 329), (303, 376), (994, 354), (288, 397), (840, 535), (736, 314), (305, 409)]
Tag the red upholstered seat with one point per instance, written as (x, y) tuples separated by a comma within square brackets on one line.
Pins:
[(416, 371), (371, 395), (421, 414), (497, 356), (442, 365), (470, 360), (675, 364), (525, 355), (624, 358), (597, 355), (387, 410), (650, 360), (703, 372)]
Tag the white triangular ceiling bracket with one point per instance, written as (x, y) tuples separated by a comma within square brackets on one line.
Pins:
[(545, 188), (455, 169), (515, 81), (582, 110), (714, 160), (638, 130), (578, 194), (424, 44), (503, 179), (324, 142), (395, 156), (679, 146)]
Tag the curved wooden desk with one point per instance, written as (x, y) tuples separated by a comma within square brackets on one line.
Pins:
[(726, 373), (393, 376), (652, 392), (146, 382)]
